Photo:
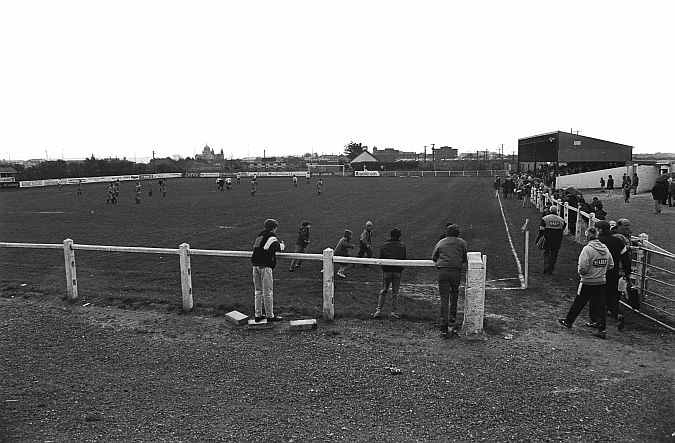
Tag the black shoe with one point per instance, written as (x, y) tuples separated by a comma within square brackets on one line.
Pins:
[(564, 323), (592, 324), (621, 321), (275, 318), (601, 334), (453, 320), (259, 319)]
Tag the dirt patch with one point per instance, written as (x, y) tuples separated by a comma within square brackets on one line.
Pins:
[(111, 373)]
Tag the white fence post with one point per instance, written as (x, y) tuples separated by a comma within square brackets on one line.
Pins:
[(474, 299), (328, 285), (71, 270), (566, 216), (186, 276), (642, 258), (578, 227), (527, 252)]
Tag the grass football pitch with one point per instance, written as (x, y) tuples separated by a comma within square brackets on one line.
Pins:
[(194, 211)]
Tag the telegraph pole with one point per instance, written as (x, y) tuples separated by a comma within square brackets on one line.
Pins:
[(154, 164)]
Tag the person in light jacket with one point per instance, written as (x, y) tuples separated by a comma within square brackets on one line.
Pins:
[(594, 262)]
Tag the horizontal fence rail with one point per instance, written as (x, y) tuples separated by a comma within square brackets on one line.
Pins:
[(475, 288), (653, 266)]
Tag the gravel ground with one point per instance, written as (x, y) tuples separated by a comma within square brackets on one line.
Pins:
[(99, 373)]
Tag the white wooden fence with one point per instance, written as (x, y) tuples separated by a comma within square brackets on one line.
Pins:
[(475, 278)]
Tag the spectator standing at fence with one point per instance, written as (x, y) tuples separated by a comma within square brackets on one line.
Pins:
[(594, 261), (497, 185), (264, 260), (391, 275), (600, 213), (365, 241), (623, 230), (582, 221), (595, 203), (659, 194), (551, 228), (602, 184), (342, 250), (671, 193), (620, 255), (610, 185), (301, 244), (573, 202), (445, 230), (626, 189), (635, 182), (449, 255)]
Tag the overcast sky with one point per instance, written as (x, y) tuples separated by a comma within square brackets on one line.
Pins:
[(124, 78)]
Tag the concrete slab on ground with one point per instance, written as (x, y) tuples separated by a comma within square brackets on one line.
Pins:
[(237, 318), (303, 325)]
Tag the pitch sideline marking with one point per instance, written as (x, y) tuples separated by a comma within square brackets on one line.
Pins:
[(521, 277)]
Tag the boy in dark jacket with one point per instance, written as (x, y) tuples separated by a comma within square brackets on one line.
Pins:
[(392, 249)]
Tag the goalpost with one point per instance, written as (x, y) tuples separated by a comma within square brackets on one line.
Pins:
[(318, 169)]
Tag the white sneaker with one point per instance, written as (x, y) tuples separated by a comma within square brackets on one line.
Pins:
[(340, 274)]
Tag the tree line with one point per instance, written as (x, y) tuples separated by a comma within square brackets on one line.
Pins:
[(93, 167)]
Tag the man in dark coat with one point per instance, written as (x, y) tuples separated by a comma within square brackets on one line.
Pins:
[(392, 249), (620, 255)]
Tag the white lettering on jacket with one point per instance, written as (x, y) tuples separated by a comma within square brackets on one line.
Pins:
[(269, 243)]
